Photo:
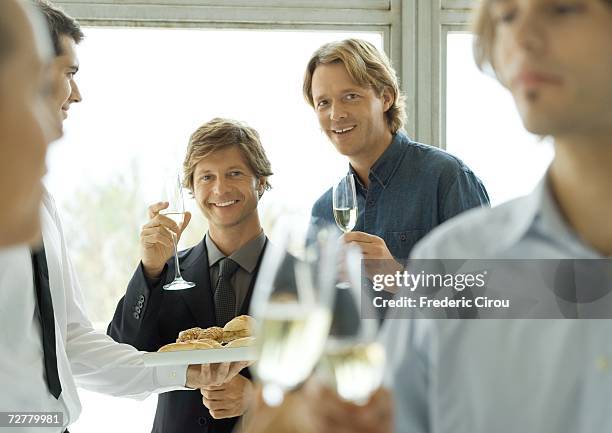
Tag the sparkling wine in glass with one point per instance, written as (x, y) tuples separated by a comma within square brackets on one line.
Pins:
[(353, 362), (173, 193), (292, 305), (345, 203)]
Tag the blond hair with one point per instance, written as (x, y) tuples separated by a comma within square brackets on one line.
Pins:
[(484, 34), (367, 67), (219, 134)]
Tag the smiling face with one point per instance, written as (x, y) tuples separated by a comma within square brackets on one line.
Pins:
[(226, 190), (555, 56), (352, 116)]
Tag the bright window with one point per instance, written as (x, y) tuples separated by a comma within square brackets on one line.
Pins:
[(485, 130)]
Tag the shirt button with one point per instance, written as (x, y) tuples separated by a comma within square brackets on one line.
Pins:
[(136, 315), (141, 298), (403, 237), (140, 303), (202, 421)]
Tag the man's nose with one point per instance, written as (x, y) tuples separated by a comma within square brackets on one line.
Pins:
[(220, 186), (75, 95), (337, 112), (528, 33)]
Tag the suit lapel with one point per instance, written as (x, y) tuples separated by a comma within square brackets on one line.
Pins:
[(199, 299)]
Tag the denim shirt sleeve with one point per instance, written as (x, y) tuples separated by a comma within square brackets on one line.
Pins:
[(465, 192), (321, 216)]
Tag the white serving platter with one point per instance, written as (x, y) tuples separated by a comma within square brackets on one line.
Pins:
[(200, 356)]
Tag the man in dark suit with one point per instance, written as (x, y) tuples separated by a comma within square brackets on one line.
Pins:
[(226, 169)]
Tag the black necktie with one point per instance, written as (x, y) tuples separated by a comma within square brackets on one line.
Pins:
[(225, 298), (47, 320)]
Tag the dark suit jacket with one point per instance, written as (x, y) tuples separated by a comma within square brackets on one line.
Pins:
[(150, 317)]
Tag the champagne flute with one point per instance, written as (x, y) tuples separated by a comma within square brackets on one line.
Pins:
[(176, 211), (291, 303), (344, 197), (353, 362)]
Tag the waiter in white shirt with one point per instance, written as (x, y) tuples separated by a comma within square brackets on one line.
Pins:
[(48, 345)]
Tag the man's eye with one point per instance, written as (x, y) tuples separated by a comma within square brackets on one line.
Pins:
[(566, 9), (205, 178), (352, 96), (235, 173), (506, 17), (321, 104)]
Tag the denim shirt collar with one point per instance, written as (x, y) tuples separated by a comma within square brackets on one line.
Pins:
[(385, 166)]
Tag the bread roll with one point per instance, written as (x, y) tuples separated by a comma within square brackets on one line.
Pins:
[(213, 333), (175, 347), (241, 342), (207, 343), (238, 327), (189, 334)]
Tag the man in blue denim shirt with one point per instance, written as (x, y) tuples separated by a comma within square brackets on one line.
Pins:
[(404, 189)]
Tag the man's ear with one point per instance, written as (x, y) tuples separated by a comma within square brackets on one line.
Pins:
[(261, 186), (387, 98)]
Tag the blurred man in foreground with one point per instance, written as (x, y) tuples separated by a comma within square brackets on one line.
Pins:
[(25, 120), (546, 375)]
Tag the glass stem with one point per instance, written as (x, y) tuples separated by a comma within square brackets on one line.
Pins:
[(177, 273)]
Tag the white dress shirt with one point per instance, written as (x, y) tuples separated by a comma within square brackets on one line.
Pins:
[(470, 376), (85, 358)]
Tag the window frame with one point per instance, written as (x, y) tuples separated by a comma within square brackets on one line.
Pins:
[(437, 18), (384, 16), (414, 34)]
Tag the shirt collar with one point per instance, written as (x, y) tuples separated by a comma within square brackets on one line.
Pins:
[(247, 256), (523, 214), (539, 213), (549, 221), (385, 166)]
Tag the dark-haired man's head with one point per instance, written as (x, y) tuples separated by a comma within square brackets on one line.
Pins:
[(26, 121), (65, 33)]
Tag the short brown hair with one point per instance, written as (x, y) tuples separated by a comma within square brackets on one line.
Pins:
[(484, 35), (59, 23), (366, 66), (219, 134)]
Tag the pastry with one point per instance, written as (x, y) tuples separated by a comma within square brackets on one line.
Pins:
[(241, 342), (238, 327)]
